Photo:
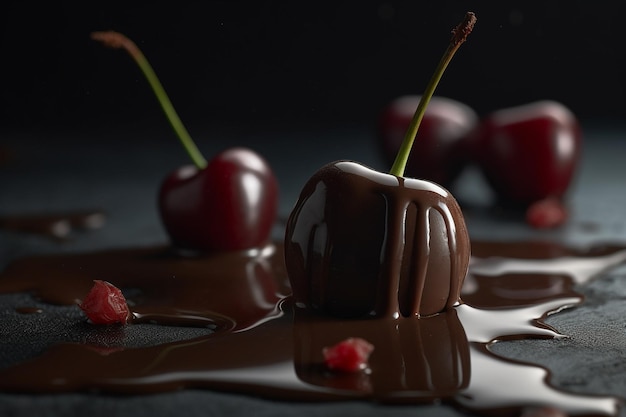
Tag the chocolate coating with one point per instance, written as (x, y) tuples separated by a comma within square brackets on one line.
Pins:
[(364, 243)]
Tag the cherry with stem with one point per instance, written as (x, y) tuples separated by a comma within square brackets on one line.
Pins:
[(227, 203)]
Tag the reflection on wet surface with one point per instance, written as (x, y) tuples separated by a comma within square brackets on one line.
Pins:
[(258, 343)]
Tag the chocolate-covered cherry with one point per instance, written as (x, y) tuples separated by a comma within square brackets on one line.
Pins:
[(365, 243), (530, 152), (438, 153), (361, 242), (349, 355), (229, 203)]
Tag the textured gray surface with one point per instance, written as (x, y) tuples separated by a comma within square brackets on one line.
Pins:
[(120, 172)]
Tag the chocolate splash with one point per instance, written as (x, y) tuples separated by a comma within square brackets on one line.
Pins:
[(257, 343), (57, 226)]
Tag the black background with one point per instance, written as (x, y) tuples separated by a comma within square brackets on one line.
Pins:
[(301, 63)]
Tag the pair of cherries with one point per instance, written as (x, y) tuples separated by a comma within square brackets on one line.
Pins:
[(528, 154)]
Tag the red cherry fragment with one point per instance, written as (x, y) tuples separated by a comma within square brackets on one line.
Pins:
[(548, 213), (105, 304), (350, 355)]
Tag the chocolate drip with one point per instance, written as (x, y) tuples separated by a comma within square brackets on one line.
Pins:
[(422, 287)]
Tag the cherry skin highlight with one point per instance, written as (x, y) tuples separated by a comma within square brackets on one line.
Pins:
[(438, 153), (528, 153), (230, 204)]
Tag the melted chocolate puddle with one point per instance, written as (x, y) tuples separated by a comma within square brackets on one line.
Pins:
[(258, 343), (28, 310), (57, 226)]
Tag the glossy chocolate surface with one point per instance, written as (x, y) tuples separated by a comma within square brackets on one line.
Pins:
[(257, 343), (364, 243)]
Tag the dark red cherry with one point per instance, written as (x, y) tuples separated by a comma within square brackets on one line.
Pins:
[(529, 153), (438, 154), (365, 243), (105, 304), (229, 205)]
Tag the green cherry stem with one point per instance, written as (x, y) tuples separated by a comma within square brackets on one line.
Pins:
[(117, 40), (459, 35)]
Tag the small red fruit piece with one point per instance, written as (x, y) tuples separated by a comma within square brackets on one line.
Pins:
[(105, 304), (548, 213), (350, 355)]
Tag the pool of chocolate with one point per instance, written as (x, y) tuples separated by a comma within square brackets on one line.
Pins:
[(224, 324), (258, 342)]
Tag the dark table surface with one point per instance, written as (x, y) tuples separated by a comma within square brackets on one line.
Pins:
[(119, 171)]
